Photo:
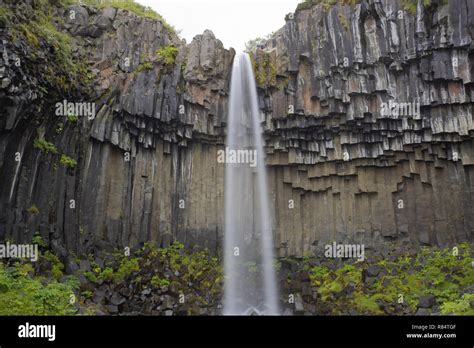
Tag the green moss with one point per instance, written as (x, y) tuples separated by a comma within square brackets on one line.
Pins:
[(33, 210), (145, 66), (45, 146), (28, 34), (4, 14), (411, 5), (68, 161), (37, 26), (72, 118), (167, 54), (265, 72), (343, 20)]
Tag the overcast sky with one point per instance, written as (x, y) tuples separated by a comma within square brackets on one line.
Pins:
[(234, 22)]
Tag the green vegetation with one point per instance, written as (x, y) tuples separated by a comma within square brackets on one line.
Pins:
[(59, 128), (33, 210), (343, 20), (145, 66), (159, 282), (4, 14), (126, 268), (400, 284), (68, 161), (327, 4), (410, 5), (45, 146), (265, 71), (72, 118), (24, 291), (171, 269), (167, 54), (37, 239), (37, 25), (131, 6), (407, 5)]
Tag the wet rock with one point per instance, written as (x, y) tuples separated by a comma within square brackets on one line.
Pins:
[(112, 309), (373, 270), (423, 311), (116, 299), (427, 301)]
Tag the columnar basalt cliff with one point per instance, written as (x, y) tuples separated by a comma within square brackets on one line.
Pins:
[(358, 168), (147, 162)]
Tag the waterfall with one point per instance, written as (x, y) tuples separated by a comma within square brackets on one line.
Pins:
[(250, 280)]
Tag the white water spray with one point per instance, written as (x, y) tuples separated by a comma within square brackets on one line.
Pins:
[(250, 280)]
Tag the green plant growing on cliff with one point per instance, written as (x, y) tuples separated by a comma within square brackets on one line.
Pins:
[(38, 240), (411, 5), (133, 7), (57, 266), (343, 20), (33, 210), (145, 66), (4, 14), (68, 161), (327, 4), (167, 54), (45, 146), (59, 128), (72, 118), (36, 25), (265, 72)]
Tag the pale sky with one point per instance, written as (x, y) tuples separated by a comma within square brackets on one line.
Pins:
[(234, 22)]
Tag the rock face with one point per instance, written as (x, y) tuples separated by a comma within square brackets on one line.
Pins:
[(344, 165), (369, 124), (146, 163)]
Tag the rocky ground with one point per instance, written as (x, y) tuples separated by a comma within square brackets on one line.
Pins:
[(176, 281)]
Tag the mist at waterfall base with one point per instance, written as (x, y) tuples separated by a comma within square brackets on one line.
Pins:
[(250, 279)]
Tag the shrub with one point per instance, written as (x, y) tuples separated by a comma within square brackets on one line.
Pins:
[(45, 146), (23, 293), (167, 54), (33, 210), (68, 161)]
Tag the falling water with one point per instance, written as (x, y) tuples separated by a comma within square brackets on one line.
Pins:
[(250, 281)]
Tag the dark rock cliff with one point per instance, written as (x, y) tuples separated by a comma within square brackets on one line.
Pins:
[(357, 169), (146, 163)]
